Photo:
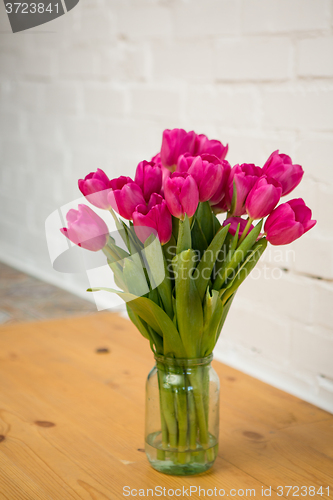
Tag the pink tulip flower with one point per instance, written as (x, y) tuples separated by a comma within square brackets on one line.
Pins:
[(149, 177), (234, 222), (263, 197), (206, 170), (181, 195), (125, 196), (220, 193), (203, 145), (280, 167), (220, 207), (95, 187), (175, 143), (244, 177), (153, 219), (86, 229), (288, 222)]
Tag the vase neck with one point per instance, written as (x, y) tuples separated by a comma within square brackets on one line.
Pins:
[(183, 362)]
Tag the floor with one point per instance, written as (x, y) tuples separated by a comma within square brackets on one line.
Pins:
[(24, 298)]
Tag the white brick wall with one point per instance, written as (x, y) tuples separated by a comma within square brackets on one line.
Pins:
[(96, 88)]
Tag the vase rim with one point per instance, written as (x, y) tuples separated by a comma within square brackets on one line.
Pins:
[(204, 360)]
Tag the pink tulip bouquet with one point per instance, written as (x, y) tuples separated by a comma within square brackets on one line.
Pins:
[(180, 267)]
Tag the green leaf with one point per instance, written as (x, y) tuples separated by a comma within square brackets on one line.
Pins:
[(188, 303), (169, 249), (135, 278), (184, 241), (216, 223), (245, 269), (118, 275), (204, 216), (227, 252), (122, 254), (234, 197), (153, 258), (212, 317), (139, 323), (205, 266), (199, 241), (238, 256), (156, 318), (225, 311), (157, 340), (175, 228), (158, 272), (121, 229)]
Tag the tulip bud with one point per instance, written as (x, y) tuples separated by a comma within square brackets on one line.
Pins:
[(95, 187), (288, 222), (86, 229), (243, 177), (220, 193), (204, 145), (234, 223), (149, 177), (153, 219), (263, 197), (280, 167), (175, 143), (181, 195), (125, 196)]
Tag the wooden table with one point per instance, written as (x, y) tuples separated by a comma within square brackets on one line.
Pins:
[(72, 420)]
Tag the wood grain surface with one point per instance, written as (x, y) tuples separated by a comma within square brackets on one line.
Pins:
[(72, 422)]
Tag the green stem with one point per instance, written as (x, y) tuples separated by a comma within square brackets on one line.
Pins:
[(200, 412), (246, 230), (164, 428), (205, 390), (168, 408), (182, 419), (192, 421)]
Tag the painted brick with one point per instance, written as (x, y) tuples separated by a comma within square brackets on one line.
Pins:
[(315, 57), (315, 152), (254, 146), (61, 98), (189, 62), (96, 27), (197, 19), (258, 59), (323, 300), (38, 64), (143, 136), (314, 255), (276, 291), (50, 160), (265, 335), (153, 102), (311, 350), (144, 22), (77, 63), (77, 131), (40, 128), (238, 108), (28, 96), (14, 153), (300, 109), (10, 125), (321, 210), (281, 16), (123, 63), (100, 100)]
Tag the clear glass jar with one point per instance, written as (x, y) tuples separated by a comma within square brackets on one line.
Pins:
[(182, 415)]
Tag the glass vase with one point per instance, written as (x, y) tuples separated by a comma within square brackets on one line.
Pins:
[(182, 415)]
